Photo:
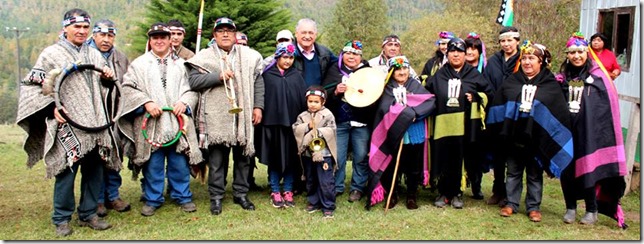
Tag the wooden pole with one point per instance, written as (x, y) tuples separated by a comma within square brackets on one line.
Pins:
[(393, 181)]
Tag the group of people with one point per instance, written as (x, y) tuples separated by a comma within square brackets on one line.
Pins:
[(172, 112)]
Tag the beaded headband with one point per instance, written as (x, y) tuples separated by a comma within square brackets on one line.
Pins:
[(175, 28), (102, 29), (315, 92), (75, 19), (509, 34)]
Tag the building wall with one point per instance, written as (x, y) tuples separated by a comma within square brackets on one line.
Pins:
[(628, 83)]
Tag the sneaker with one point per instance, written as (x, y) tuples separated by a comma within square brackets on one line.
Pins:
[(441, 201), (327, 214), (310, 208), (189, 207), (569, 216), (95, 223), (288, 199), (457, 202), (355, 196), (589, 218), (118, 205), (147, 210), (101, 211), (276, 200), (63, 229)]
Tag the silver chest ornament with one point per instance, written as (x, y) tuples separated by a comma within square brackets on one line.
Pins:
[(575, 91), (527, 96), (453, 92)]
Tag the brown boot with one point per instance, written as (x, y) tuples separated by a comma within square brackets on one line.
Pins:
[(118, 205), (101, 211), (411, 202)]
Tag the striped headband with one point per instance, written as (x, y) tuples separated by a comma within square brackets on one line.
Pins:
[(315, 92), (75, 19), (175, 28), (509, 34), (102, 29), (391, 39)]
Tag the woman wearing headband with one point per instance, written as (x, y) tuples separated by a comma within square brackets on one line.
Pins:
[(599, 165), (530, 127)]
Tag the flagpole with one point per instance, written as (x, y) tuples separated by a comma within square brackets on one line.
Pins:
[(199, 27)]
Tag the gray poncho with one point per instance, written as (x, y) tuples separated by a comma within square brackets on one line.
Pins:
[(142, 83), (84, 98)]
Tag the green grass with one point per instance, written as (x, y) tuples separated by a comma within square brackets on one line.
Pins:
[(26, 206)]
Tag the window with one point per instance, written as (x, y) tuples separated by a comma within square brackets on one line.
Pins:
[(617, 25)]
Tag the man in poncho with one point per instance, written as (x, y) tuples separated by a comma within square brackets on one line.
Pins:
[(228, 76), (85, 96)]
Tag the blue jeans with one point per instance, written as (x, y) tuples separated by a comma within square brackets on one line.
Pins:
[(111, 182), (521, 160), (275, 176), (359, 138), (178, 175), (91, 178)]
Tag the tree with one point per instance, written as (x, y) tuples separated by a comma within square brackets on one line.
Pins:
[(364, 20), (259, 19)]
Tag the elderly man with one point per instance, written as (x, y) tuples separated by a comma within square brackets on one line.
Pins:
[(103, 40), (178, 33), (228, 76), (64, 147), (391, 47)]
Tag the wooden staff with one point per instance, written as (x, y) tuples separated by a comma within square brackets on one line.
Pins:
[(393, 182)]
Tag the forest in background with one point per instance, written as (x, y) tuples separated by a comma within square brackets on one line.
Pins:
[(549, 22)]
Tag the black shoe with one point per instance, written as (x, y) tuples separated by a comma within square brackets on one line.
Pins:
[(215, 207), (411, 202), (478, 195), (392, 203), (244, 202), (254, 187)]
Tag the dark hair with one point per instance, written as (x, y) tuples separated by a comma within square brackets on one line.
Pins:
[(390, 36), (475, 43), (603, 37), (567, 68), (76, 12), (317, 88), (509, 29), (105, 22), (175, 23)]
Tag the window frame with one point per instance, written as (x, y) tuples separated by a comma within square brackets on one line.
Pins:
[(616, 12)]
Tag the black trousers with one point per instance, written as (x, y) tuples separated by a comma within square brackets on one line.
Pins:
[(217, 157), (411, 164), (570, 188)]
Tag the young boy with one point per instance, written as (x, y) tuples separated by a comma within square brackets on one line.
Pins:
[(318, 159)]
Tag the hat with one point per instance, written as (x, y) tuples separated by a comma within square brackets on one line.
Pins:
[(444, 37), (391, 38), (284, 34), (456, 44), (284, 48), (158, 28), (354, 46), (224, 21), (576, 43), (398, 62)]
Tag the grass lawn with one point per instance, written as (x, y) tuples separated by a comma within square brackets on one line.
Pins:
[(26, 206)]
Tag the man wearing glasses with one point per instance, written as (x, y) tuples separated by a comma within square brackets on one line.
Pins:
[(231, 87)]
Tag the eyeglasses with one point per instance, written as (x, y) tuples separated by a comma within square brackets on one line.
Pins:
[(222, 31)]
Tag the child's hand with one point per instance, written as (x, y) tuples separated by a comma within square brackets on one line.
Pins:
[(311, 125)]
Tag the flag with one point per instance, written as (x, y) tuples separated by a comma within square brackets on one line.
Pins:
[(506, 13)]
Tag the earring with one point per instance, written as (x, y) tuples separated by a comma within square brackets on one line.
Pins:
[(567, 61)]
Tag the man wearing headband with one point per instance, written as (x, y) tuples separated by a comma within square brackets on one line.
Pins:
[(391, 46), (501, 65), (353, 123), (156, 80), (461, 96), (597, 171), (178, 34), (103, 40), (433, 64), (229, 78), (86, 96)]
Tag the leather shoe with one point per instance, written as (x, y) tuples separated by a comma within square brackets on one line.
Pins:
[(392, 203), (411, 202), (118, 205), (63, 229), (354, 196), (215, 207), (535, 216), (95, 223), (244, 202), (101, 211), (506, 211)]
